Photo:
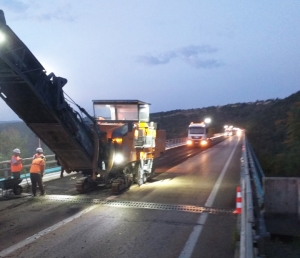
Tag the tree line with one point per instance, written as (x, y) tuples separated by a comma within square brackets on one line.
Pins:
[(17, 135)]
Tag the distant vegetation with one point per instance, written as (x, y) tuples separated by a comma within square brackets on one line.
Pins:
[(18, 135), (272, 127)]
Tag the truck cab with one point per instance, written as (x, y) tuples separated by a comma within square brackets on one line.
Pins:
[(198, 135), (228, 130)]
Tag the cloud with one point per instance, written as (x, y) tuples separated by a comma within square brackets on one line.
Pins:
[(38, 11), (192, 55), (156, 60), (14, 5), (199, 63), (60, 15)]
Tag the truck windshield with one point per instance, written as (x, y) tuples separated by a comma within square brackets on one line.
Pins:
[(197, 130)]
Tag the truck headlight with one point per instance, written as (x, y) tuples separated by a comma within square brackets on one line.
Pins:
[(203, 142), (189, 142)]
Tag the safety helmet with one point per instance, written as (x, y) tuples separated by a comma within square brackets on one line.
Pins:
[(17, 151), (39, 150)]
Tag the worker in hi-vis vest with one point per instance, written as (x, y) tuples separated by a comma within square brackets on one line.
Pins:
[(36, 174), (16, 164), (39, 152)]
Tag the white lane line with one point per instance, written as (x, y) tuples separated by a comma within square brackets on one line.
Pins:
[(33, 238), (194, 236)]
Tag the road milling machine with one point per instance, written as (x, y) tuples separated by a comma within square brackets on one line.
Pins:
[(116, 147)]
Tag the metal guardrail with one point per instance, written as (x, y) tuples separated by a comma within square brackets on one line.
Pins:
[(51, 166), (252, 228), (172, 143), (246, 237), (258, 175), (51, 163)]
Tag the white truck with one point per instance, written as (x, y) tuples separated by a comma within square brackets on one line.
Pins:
[(199, 135), (228, 130)]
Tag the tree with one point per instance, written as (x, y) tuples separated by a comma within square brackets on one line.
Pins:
[(293, 126)]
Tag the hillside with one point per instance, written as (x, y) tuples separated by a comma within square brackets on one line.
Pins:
[(18, 135), (275, 136), (8, 122), (238, 114), (272, 127)]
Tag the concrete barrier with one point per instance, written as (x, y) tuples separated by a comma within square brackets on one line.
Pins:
[(282, 195)]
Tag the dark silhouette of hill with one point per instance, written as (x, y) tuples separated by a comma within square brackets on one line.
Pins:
[(239, 115), (275, 136), (18, 135), (272, 127)]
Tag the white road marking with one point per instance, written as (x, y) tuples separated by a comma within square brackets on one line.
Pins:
[(33, 238), (194, 236), (112, 197)]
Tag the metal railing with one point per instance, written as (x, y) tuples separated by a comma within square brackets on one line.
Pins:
[(172, 143), (51, 166), (51, 163), (252, 228)]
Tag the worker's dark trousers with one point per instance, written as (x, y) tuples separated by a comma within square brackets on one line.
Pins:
[(36, 178)]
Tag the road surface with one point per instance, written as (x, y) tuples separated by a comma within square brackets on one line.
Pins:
[(186, 210)]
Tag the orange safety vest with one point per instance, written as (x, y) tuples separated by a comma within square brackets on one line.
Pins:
[(37, 165), (15, 167)]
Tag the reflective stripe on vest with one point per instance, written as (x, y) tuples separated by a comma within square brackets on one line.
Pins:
[(36, 165), (15, 167)]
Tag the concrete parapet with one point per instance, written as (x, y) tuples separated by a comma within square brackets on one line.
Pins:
[(282, 205), (282, 195)]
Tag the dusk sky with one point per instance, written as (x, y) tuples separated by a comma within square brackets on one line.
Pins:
[(173, 54)]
